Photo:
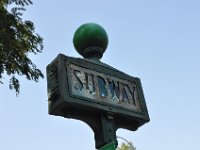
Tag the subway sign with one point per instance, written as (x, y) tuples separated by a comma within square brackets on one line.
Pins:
[(102, 87), (82, 87)]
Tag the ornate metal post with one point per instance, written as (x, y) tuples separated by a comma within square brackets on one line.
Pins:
[(91, 40)]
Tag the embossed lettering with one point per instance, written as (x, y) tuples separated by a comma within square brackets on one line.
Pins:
[(98, 86)]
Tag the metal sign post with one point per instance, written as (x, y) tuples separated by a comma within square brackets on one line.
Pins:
[(109, 146), (94, 92)]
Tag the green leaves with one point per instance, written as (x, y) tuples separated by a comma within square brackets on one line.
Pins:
[(19, 2), (128, 146), (17, 40), (14, 84)]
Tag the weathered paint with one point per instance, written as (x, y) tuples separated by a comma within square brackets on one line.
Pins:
[(103, 87), (96, 93)]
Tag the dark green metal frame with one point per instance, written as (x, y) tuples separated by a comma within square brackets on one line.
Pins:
[(104, 118)]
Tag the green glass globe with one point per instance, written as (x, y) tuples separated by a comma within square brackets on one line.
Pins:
[(90, 40)]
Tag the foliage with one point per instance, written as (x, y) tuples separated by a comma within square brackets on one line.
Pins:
[(128, 146), (17, 40)]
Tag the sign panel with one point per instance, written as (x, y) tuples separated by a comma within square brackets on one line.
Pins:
[(102, 87), (109, 146), (76, 85)]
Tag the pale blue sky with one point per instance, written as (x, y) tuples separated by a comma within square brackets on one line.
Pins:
[(155, 40)]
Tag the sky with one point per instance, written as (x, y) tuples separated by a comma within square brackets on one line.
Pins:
[(155, 40)]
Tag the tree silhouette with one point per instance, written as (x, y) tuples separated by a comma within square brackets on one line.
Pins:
[(17, 40)]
